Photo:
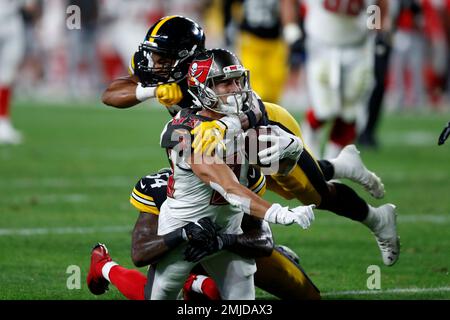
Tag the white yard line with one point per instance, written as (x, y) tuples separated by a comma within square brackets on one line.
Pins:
[(435, 219), (112, 181), (386, 291)]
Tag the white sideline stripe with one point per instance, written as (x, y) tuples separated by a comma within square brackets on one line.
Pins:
[(117, 181), (387, 291), (413, 138), (68, 230)]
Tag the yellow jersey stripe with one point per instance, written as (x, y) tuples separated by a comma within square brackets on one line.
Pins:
[(157, 27), (262, 191), (132, 63), (143, 196), (144, 208), (257, 183)]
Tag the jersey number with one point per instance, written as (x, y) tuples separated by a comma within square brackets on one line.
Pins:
[(347, 7)]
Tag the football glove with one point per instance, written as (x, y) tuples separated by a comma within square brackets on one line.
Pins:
[(207, 135), (199, 232), (283, 145), (444, 134), (206, 241), (302, 215), (169, 94)]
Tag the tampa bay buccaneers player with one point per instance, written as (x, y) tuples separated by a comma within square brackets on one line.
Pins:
[(128, 92)]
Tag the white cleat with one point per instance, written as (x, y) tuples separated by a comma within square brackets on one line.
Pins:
[(9, 135), (386, 234), (349, 165)]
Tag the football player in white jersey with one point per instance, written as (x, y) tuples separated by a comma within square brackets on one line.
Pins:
[(339, 67), (206, 186), (12, 46)]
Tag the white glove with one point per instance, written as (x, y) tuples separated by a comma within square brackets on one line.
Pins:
[(283, 145), (302, 215)]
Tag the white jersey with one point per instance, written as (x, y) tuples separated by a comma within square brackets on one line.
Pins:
[(10, 8), (337, 22), (188, 198)]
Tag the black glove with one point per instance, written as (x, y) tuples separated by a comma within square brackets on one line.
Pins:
[(200, 232), (444, 134), (195, 253), (203, 242)]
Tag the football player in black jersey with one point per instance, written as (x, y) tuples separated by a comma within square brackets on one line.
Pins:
[(159, 66)]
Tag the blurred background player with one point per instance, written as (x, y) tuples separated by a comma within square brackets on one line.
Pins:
[(339, 69), (267, 31), (12, 45), (83, 67), (408, 54), (382, 52), (125, 22)]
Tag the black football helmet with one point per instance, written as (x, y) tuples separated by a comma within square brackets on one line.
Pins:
[(211, 67), (173, 37)]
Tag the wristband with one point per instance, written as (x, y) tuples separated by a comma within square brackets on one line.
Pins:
[(144, 93), (291, 33)]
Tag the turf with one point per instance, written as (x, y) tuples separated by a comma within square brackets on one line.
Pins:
[(67, 187)]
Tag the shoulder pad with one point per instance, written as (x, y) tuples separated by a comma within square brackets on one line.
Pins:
[(178, 130), (150, 192)]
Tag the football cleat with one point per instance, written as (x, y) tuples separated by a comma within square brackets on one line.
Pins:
[(97, 284), (386, 234), (349, 165), (9, 135)]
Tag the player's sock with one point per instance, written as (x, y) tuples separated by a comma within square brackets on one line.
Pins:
[(346, 202), (342, 134), (200, 284), (130, 283), (312, 133), (5, 97), (372, 220), (206, 286)]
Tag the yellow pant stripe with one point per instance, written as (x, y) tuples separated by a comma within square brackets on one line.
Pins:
[(143, 207), (144, 196)]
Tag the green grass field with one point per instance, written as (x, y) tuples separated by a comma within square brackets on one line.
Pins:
[(67, 187)]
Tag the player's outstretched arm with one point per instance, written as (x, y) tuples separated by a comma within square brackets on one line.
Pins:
[(146, 246), (121, 93), (220, 177)]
